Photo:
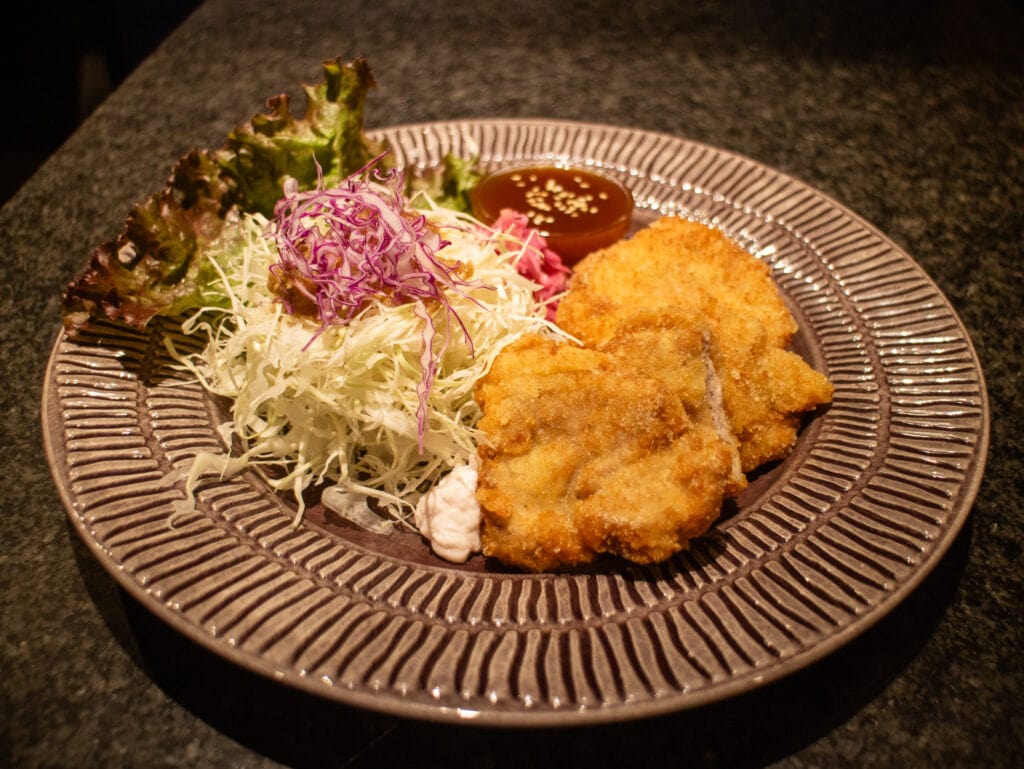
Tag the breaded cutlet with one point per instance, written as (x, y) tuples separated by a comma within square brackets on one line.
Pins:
[(683, 266), (587, 454)]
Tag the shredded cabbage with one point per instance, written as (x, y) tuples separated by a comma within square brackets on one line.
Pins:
[(357, 243), (341, 403)]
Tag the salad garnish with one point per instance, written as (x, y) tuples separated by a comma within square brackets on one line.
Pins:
[(153, 266), (347, 308), (346, 247), (539, 262), (347, 404)]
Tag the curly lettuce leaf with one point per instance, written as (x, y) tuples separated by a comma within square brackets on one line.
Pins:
[(450, 184), (153, 266), (328, 139)]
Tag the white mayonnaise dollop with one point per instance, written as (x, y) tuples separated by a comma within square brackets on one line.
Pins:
[(448, 515)]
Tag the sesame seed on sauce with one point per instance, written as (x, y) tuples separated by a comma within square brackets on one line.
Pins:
[(577, 211)]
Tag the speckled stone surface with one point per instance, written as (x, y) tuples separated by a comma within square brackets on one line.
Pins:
[(913, 118)]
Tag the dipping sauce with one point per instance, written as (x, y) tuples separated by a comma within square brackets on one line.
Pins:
[(577, 211)]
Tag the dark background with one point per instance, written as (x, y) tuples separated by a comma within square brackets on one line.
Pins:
[(908, 112), (60, 61)]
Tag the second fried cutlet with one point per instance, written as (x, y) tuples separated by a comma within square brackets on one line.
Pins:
[(686, 267)]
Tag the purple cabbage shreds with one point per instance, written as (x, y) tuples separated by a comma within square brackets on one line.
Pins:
[(343, 247)]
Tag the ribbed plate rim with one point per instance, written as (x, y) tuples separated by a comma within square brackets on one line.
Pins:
[(502, 714)]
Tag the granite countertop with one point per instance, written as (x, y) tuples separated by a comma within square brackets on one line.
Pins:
[(911, 117)]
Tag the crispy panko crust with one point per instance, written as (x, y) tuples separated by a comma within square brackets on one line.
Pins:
[(687, 267), (590, 454), (629, 444)]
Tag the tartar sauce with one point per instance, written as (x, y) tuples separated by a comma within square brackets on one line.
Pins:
[(449, 516)]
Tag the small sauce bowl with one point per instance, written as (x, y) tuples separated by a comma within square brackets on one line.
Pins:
[(576, 210)]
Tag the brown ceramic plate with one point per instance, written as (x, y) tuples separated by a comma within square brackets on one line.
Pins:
[(818, 549)]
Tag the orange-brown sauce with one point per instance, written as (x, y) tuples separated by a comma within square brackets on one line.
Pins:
[(576, 210)]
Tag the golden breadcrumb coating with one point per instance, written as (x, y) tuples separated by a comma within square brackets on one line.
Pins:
[(629, 444), (588, 454), (694, 269)]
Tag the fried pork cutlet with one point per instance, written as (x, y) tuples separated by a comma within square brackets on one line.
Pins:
[(601, 451), (696, 270)]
